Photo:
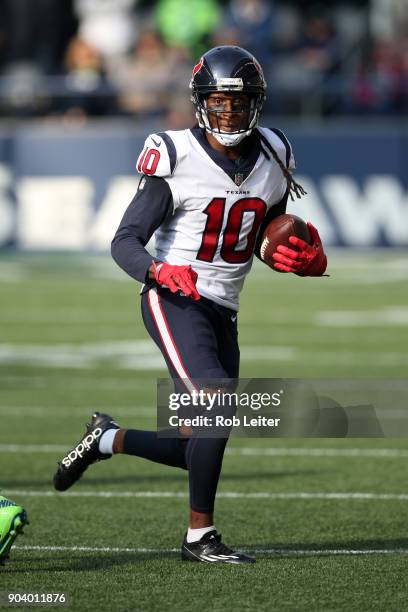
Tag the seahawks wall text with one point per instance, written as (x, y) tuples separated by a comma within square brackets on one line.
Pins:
[(67, 189)]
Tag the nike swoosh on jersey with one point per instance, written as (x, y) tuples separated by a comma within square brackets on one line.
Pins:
[(156, 143)]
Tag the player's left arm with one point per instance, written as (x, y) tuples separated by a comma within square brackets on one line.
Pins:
[(304, 259), (273, 212)]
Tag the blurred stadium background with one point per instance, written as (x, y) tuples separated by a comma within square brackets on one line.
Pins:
[(82, 82)]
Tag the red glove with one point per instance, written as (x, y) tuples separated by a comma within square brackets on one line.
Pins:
[(307, 260), (177, 278)]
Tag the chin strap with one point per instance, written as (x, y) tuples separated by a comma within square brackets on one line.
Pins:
[(229, 140), (224, 138)]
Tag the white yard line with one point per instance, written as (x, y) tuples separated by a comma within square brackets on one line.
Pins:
[(222, 495), (376, 453), (135, 354), (131, 411), (319, 452), (54, 411), (79, 358), (390, 316), (33, 448), (82, 382), (285, 552)]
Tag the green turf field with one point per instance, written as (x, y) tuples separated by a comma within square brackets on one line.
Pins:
[(327, 517)]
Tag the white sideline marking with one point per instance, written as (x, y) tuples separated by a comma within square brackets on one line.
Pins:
[(222, 495), (377, 453), (260, 551)]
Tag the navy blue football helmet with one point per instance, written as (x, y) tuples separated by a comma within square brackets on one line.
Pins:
[(228, 69)]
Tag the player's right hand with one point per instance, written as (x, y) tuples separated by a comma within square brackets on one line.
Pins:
[(177, 278)]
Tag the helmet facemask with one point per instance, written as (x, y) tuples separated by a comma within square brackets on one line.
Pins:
[(249, 118)]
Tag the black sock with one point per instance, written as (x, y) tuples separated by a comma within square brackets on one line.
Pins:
[(170, 451), (201, 456), (204, 461)]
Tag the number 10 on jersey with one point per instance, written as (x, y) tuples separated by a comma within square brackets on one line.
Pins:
[(232, 231)]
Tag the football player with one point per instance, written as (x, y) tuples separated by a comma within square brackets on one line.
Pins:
[(206, 193), (12, 521)]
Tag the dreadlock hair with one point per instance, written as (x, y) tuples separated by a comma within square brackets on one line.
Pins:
[(294, 188)]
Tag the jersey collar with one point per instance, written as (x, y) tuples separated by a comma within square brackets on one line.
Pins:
[(240, 167)]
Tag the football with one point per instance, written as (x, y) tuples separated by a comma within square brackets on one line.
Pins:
[(278, 232)]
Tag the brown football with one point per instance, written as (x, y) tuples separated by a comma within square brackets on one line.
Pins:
[(278, 232)]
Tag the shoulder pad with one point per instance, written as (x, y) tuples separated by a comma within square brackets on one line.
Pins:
[(158, 157), (276, 138)]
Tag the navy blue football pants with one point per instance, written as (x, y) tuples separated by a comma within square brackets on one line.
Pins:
[(198, 340)]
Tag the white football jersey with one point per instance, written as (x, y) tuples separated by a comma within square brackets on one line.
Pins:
[(215, 222)]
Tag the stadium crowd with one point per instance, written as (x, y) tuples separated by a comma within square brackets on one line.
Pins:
[(93, 58)]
